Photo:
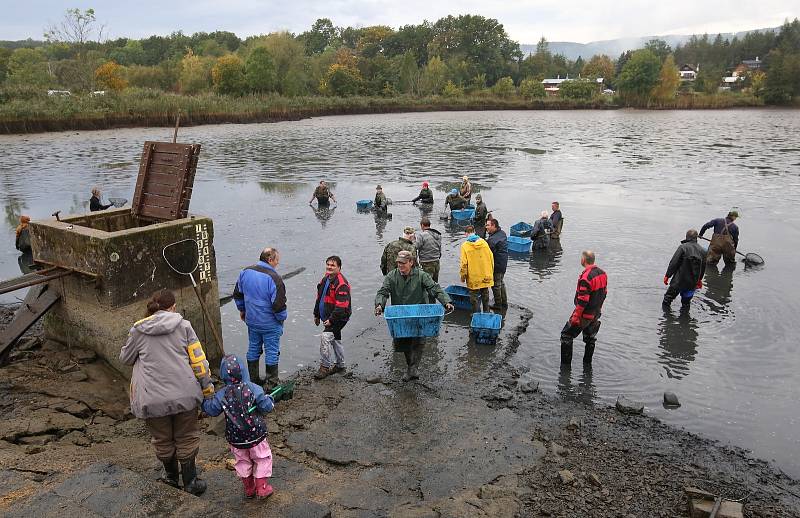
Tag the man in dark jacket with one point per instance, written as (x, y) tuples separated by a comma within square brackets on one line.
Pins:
[(323, 195), (481, 214), (455, 201), (260, 296), (332, 308), (589, 298), (498, 244), (540, 233), (725, 239), (381, 202), (408, 284), (425, 195), (557, 219), (687, 267), (94, 201)]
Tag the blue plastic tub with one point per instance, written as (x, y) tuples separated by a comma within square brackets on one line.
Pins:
[(459, 296), (521, 229), (364, 204), (463, 214), (485, 327), (519, 245), (414, 320)]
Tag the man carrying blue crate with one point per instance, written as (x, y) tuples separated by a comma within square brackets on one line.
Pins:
[(409, 284)]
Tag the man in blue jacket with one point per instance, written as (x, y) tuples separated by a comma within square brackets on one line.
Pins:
[(260, 296)]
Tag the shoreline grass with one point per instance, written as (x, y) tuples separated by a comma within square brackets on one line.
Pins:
[(151, 108)]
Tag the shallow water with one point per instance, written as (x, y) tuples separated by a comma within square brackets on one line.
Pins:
[(630, 184)]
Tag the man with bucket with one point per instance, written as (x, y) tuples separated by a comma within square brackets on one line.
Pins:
[(408, 284), (725, 239)]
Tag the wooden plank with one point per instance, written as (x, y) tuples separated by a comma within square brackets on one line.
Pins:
[(167, 159), (166, 178), (38, 301), (160, 189), (166, 170), (169, 147), (158, 213), (154, 200)]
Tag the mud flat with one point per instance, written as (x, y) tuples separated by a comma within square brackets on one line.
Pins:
[(479, 441)]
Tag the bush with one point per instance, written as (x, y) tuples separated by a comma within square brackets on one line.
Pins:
[(577, 89), (452, 90), (504, 87), (531, 89)]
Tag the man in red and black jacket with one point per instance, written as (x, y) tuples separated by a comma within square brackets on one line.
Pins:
[(589, 298), (333, 310)]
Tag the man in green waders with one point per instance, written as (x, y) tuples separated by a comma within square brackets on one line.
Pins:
[(725, 239), (408, 284)]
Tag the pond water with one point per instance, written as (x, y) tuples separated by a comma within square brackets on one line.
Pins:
[(630, 184)]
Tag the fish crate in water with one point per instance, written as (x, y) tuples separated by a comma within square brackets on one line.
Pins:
[(463, 214), (364, 205), (519, 245), (485, 327), (521, 229), (459, 296), (414, 320)]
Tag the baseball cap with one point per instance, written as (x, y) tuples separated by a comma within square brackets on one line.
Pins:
[(404, 256), (408, 230)]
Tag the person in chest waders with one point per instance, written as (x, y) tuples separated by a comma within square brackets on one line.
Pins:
[(725, 239), (687, 267)]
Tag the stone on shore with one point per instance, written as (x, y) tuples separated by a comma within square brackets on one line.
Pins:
[(630, 407), (671, 400)]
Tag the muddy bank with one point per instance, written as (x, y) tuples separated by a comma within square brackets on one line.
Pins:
[(480, 440)]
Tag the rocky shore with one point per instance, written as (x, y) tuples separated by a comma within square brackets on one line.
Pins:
[(477, 440)]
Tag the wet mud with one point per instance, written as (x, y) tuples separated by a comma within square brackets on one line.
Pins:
[(479, 440)]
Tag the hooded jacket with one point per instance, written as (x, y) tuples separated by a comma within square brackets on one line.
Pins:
[(541, 232), (477, 263), (241, 400), (416, 288), (429, 245), (170, 370), (688, 265), (392, 249), (425, 196), (498, 244)]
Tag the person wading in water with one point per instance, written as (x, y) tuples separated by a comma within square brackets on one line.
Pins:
[(725, 239)]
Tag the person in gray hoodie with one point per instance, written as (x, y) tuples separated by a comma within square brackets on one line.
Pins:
[(429, 248), (170, 379)]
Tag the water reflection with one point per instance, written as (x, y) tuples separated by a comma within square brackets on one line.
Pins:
[(25, 262), (286, 188), (324, 213), (582, 391), (380, 224), (677, 338), (543, 262), (719, 285)]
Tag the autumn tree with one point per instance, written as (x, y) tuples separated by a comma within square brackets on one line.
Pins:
[(434, 77), (639, 76), (227, 75), (108, 76), (531, 89), (669, 80), (194, 75), (599, 66)]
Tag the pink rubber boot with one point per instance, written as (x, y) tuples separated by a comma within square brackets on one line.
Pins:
[(249, 484), (263, 489)]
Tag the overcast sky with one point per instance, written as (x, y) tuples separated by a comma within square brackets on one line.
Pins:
[(525, 20)]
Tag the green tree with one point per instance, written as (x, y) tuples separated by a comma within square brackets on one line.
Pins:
[(228, 77), (259, 71), (531, 89), (452, 90), (434, 77), (639, 76), (669, 80), (581, 89), (194, 74), (783, 77), (504, 87), (342, 81), (5, 54), (599, 66), (659, 47), (409, 74), (290, 63), (28, 67), (321, 35), (708, 79)]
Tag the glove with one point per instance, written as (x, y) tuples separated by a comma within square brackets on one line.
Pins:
[(316, 321), (699, 284), (378, 311), (666, 280), (449, 307)]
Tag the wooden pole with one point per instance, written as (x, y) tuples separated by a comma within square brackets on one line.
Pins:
[(177, 124)]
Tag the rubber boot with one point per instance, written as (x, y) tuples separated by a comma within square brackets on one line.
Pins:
[(566, 352), (249, 484), (407, 375), (587, 354), (272, 380), (416, 356), (263, 489), (171, 472), (191, 484), (252, 369)]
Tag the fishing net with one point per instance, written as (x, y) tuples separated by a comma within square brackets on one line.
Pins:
[(752, 259), (118, 202), (182, 256)]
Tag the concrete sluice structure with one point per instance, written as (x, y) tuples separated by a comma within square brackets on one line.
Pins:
[(119, 262)]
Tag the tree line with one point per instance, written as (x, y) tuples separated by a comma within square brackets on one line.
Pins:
[(454, 56)]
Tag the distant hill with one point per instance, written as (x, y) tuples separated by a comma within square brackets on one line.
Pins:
[(613, 48)]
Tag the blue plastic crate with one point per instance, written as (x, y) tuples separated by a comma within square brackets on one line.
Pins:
[(521, 229), (459, 296), (414, 320), (463, 214), (364, 204), (485, 327), (520, 245)]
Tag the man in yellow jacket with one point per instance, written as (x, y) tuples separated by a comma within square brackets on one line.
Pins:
[(477, 270)]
